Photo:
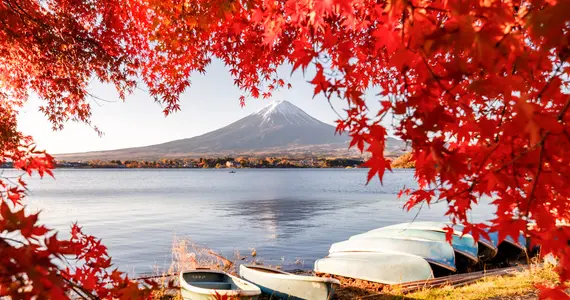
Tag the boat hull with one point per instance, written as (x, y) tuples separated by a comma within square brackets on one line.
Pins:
[(486, 248), (284, 285), (381, 267), (437, 253), (205, 285), (465, 245)]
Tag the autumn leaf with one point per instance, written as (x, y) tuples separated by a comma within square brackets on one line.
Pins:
[(319, 81), (377, 166)]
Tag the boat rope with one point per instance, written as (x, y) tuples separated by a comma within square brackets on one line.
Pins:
[(145, 277)]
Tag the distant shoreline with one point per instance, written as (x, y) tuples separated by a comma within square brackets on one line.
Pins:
[(225, 163), (230, 169)]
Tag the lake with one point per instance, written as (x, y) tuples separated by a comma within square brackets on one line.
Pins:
[(290, 216)]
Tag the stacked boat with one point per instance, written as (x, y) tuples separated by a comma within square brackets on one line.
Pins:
[(414, 251)]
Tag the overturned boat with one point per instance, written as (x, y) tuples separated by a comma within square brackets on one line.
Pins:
[(486, 249), (381, 267), (440, 254), (465, 247)]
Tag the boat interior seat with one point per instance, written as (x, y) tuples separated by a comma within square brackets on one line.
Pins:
[(213, 285)]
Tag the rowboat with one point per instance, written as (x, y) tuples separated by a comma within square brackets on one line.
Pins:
[(207, 284), (519, 243), (288, 286), (424, 225), (464, 246), (437, 253), (381, 267), (486, 248), (509, 249)]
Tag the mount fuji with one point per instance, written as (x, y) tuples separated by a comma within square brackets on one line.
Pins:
[(279, 128)]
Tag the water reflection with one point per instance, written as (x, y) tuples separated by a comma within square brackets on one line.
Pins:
[(283, 217)]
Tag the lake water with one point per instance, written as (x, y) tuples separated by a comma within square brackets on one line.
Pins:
[(287, 215)]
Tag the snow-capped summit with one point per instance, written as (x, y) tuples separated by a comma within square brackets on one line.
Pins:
[(283, 112)]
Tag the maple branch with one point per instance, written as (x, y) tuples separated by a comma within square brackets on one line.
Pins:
[(500, 123), (432, 72), (9, 31), (523, 153), (13, 240), (435, 76), (20, 9), (82, 292), (475, 181), (563, 111), (403, 21), (545, 87), (511, 30), (99, 98), (536, 177), (541, 158), (514, 169), (567, 135), (539, 143), (332, 107)]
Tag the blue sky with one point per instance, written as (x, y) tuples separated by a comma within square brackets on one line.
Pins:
[(211, 102)]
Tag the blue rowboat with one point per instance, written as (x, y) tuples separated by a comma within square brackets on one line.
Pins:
[(437, 253), (519, 243), (283, 285), (206, 284), (486, 248), (381, 267), (463, 245), (509, 249)]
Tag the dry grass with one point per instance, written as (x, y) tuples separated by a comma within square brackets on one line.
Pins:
[(190, 256), (519, 286), (187, 255)]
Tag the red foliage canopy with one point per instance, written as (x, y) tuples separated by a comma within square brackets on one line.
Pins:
[(480, 88), (53, 49)]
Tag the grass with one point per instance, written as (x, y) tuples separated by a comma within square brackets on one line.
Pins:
[(521, 285)]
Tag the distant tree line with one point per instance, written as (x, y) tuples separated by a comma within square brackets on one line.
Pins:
[(405, 161), (219, 162)]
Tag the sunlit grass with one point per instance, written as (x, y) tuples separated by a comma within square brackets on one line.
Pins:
[(520, 285)]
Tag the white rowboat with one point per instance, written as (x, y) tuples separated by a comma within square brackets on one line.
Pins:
[(279, 284), (206, 284), (437, 253), (381, 267)]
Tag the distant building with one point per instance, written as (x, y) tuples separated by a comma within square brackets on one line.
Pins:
[(72, 164), (7, 164), (189, 165)]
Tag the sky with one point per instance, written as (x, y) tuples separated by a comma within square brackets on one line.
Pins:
[(211, 102)]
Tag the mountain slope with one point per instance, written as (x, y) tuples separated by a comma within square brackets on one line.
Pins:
[(280, 127)]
